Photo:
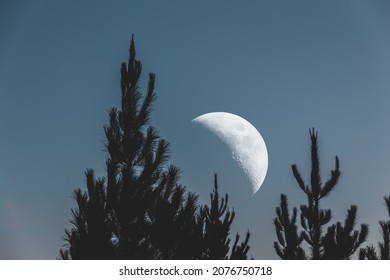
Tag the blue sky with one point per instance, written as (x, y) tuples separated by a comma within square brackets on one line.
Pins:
[(285, 66)]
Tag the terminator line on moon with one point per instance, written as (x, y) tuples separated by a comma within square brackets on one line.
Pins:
[(245, 142)]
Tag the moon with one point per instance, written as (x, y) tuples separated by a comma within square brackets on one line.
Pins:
[(245, 142)]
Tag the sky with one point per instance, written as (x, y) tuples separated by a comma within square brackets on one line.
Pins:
[(285, 66)]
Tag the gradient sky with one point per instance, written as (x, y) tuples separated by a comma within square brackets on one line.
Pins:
[(285, 66)]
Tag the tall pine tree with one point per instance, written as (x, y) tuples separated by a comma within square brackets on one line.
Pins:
[(339, 242), (118, 215), (139, 210)]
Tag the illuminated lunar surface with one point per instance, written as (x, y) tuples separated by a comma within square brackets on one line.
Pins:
[(245, 142)]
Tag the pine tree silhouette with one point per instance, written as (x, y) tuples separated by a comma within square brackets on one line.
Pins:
[(218, 220), (312, 217), (139, 210), (217, 225), (370, 253), (339, 242)]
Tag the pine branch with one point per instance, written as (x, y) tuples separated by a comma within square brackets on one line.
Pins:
[(239, 252), (332, 182), (299, 179), (341, 242), (384, 246), (286, 232), (387, 204), (144, 112), (315, 165)]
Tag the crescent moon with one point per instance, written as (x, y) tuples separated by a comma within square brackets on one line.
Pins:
[(245, 142)]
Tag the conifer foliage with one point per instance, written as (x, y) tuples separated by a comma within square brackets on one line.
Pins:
[(218, 220), (139, 210), (339, 242), (383, 252), (289, 241)]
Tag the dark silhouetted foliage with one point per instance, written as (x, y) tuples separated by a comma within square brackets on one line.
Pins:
[(240, 252), (288, 245), (218, 220), (175, 223), (90, 236), (217, 226), (139, 210), (339, 242), (370, 253)]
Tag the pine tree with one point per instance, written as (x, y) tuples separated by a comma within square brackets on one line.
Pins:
[(217, 225), (139, 210), (339, 242), (121, 216), (218, 220), (370, 253), (312, 217)]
